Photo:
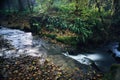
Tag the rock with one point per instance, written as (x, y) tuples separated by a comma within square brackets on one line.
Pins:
[(114, 73)]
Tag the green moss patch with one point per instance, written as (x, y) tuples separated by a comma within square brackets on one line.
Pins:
[(52, 36), (67, 40)]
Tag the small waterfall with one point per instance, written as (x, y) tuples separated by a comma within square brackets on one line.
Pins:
[(99, 59), (114, 49), (23, 44)]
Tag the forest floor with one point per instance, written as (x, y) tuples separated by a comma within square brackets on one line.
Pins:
[(27, 68)]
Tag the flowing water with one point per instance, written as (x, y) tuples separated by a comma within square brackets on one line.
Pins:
[(23, 44), (102, 60)]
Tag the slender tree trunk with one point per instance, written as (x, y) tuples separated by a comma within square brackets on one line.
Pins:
[(29, 6), (8, 3), (21, 6), (2, 5)]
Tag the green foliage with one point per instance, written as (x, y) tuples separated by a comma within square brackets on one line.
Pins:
[(53, 36), (65, 8), (81, 27), (63, 15), (56, 22), (82, 17), (50, 27), (35, 26)]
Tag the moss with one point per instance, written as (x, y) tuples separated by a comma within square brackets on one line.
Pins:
[(67, 40), (52, 36)]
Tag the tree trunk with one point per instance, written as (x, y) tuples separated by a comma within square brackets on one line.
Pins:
[(30, 4), (8, 3), (21, 6), (2, 4)]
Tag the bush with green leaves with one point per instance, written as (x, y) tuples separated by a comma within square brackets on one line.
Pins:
[(79, 26), (35, 26), (56, 22), (83, 27)]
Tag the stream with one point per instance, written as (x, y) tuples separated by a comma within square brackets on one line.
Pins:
[(23, 44)]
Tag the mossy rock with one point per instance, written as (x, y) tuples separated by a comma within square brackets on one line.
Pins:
[(52, 36), (114, 73), (67, 40)]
